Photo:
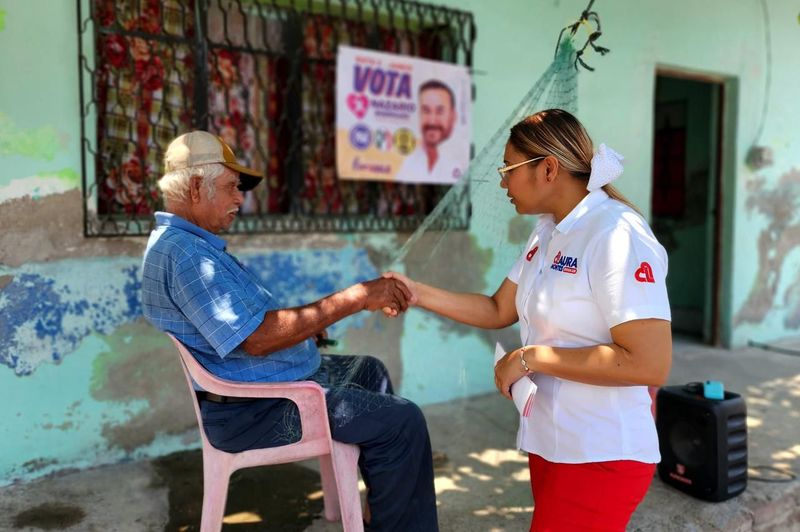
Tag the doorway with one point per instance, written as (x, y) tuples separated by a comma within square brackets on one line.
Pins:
[(686, 198)]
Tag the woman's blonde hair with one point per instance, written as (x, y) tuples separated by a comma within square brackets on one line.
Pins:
[(558, 133)]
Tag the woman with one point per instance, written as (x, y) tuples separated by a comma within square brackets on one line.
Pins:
[(589, 292)]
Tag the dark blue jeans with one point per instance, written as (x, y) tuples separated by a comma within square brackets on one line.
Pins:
[(391, 432)]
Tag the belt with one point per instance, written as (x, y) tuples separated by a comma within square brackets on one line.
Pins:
[(214, 398)]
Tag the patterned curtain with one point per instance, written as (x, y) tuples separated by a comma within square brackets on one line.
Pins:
[(267, 72), (144, 92)]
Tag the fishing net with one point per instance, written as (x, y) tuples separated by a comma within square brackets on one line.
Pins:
[(498, 233), (491, 212)]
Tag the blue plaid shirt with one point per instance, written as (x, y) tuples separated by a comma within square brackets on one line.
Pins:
[(193, 289)]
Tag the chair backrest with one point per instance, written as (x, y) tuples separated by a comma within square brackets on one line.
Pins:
[(194, 370), (307, 395), (190, 367)]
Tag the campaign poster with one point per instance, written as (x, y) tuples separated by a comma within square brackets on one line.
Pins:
[(401, 119)]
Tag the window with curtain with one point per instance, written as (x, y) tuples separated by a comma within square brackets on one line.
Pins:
[(261, 74)]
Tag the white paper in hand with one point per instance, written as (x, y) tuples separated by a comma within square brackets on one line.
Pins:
[(523, 391)]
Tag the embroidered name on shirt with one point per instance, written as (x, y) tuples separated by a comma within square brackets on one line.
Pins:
[(531, 253), (562, 263), (644, 274)]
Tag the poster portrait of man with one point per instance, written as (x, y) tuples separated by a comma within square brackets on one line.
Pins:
[(437, 118), (401, 119)]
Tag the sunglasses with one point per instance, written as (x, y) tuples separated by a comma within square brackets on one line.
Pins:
[(503, 170)]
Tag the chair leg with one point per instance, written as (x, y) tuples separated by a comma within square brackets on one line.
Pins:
[(216, 475), (329, 489), (345, 466)]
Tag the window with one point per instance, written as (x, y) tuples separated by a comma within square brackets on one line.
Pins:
[(261, 74)]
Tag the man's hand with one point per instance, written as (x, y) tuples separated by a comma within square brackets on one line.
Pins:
[(389, 295), (294, 325), (322, 340), (411, 285)]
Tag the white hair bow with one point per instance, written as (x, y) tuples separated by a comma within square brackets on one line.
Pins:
[(606, 167)]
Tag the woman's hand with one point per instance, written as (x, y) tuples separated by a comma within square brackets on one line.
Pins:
[(507, 371), (411, 285)]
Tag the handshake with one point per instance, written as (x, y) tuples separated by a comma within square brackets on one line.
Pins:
[(392, 293)]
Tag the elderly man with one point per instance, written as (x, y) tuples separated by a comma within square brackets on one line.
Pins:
[(194, 289)]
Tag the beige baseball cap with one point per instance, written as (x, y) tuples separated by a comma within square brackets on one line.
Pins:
[(201, 147)]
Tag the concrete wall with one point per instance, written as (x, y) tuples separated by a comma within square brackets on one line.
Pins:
[(90, 382)]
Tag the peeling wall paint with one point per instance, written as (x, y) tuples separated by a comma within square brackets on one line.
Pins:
[(124, 372), (43, 184), (780, 205), (51, 228), (41, 143), (55, 422), (50, 308)]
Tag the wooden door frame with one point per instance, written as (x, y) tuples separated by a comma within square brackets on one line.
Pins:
[(724, 191)]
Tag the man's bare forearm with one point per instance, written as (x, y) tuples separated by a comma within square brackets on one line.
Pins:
[(286, 327)]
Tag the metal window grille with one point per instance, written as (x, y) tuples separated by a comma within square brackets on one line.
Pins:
[(261, 74)]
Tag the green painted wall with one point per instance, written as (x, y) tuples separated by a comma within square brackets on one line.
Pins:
[(87, 405), (723, 40)]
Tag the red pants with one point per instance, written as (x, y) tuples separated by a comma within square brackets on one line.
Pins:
[(594, 496)]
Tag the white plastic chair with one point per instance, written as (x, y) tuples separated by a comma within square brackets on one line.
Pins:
[(338, 461)]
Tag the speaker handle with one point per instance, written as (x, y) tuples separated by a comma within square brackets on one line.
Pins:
[(693, 387)]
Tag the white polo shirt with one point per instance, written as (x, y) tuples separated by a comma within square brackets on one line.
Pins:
[(414, 169), (599, 267)]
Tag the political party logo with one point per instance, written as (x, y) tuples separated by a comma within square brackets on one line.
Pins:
[(383, 139), (531, 253), (644, 274), (358, 104), (404, 141), (360, 136), (565, 264)]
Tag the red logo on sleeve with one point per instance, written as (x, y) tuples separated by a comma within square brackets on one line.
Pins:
[(531, 253), (644, 274)]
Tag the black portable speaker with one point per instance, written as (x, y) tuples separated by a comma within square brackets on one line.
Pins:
[(703, 442)]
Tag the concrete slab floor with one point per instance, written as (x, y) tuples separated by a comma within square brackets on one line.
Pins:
[(482, 483)]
